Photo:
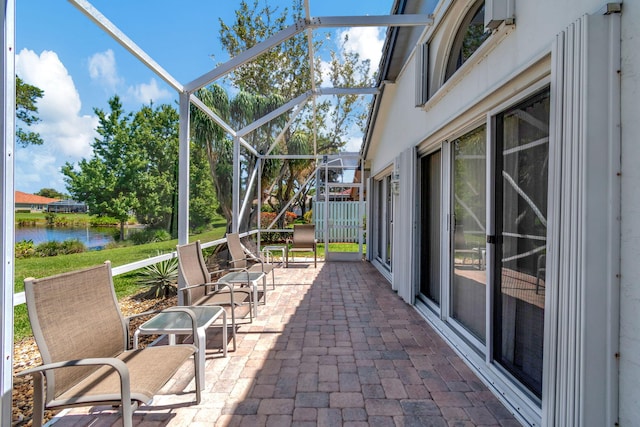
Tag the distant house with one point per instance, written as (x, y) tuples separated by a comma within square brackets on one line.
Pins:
[(31, 202), (67, 206)]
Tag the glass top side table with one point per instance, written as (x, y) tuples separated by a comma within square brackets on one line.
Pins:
[(179, 323)]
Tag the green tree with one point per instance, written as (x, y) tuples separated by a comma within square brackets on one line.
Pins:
[(108, 182), (27, 112), (203, 206), (51, 193), (283, 70), (154, 131)]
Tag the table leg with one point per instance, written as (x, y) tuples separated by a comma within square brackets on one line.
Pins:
[(202, 350), (255, 299), (224, 333), (136, 335)]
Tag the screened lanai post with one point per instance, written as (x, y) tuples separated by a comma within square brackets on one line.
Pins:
[(259, 199), (8, 90), (235, 193), (183, 179), (325, 226)]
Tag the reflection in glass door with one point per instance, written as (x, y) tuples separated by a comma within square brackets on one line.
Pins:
[(468, 232), (430, 187), (522, 155), (384, 223)]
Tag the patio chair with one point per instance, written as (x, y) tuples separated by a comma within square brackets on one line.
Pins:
[(304, 239), (84, 343), (200, 290), (241, 257), (463, 251)]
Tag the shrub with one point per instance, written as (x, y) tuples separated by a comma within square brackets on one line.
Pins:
[(266, 218), (104, 221), (149, 236), (50, 217), (23, 211), (161, 279), (25, 249), (54, 248), (308, 216)]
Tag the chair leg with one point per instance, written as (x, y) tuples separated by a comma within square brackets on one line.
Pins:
[(233, 325), (38, 399), (127, 410)]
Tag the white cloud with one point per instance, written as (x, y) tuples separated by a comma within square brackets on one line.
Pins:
[(366, 41), (146, 92), (67, 134), (35, 170), (102, 69), (354, 143), (61, 126)]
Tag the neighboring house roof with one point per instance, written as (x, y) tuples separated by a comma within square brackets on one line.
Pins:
[(31, 199)]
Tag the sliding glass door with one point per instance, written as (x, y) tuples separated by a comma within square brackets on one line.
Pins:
[(468, 279), (430, 212), (522, 155)]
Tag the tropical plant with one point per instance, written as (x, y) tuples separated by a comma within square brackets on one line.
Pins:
[(149, 236), (161, 279)]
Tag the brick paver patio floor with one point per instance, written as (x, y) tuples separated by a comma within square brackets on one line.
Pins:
[(333, 346)]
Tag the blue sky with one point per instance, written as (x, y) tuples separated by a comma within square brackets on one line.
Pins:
[(80, 67)]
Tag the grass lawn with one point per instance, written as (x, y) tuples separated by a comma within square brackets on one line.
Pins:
[(125, 284)]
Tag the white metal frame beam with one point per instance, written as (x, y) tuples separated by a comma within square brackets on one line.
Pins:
[(107, 26), (7, 216), (370, 21)]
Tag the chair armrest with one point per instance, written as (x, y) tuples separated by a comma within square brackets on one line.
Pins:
[(117, 364), (216, 284)]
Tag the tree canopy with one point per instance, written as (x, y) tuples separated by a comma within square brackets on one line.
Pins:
[(265, 84), (27, 112), (51, 193)]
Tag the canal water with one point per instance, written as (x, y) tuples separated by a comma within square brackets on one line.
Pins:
[(92, 237)]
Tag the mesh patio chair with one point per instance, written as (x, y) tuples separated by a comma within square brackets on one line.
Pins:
[(200, 290), (241, 257), (304, 239), (84, 343)]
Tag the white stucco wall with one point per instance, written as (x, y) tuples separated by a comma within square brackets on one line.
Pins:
[(630, 245), (401, 125)]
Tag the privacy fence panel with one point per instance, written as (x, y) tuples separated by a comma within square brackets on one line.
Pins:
[(344, 221)]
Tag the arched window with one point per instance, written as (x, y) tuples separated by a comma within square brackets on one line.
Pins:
[(470, 36)]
